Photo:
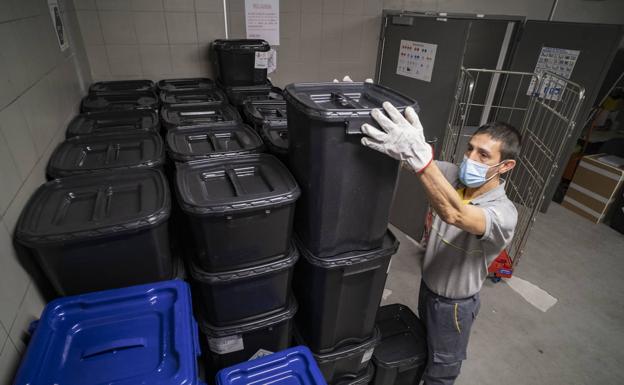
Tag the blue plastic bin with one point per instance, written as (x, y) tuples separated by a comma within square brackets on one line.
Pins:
[(292, 366), (137, 335)]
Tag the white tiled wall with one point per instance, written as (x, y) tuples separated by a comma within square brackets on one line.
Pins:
[(40, 90)]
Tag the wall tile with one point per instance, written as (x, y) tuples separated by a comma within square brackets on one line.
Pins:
[(118, 27), (236, 6), (124, 59), (292, 6), (15, 131), (290, 25), (121, 5), (209, 6), (179, 5), (155, 60), (9, 362), (85, 5), (210, 26), (90, 28), (311, 36), (289, 51), (236, 24), (17, 64), (29, 310), (393, 4), (13, 279), (333, 6), (181, 27), (185, 59), (352, 36), (309, 7), (331, 43), (7, 90), (9, 176), (6, 13), (36, 108), (373, 7), (147, 5), (98, 61), (150, 27), (353, 7), (28, 8)]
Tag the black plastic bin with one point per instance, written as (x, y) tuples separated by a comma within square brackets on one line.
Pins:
[(182, 116), (116, 101), (213, 142), (233, 296), (339, 296), (363, 379), (240, 209), (198, 97), (269, 119), (105, 152), (237, 343), (238, 63), (185, 84), (346, 363), (240, 94), (347, 189), (99, 231), (113, 122), (122, 86), (401, 356)]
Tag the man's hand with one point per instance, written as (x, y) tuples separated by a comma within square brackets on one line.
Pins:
[(402, 137)]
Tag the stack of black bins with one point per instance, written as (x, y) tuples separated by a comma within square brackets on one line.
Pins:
[(268, 117), (341, 221), (101, 222), (120, 95), (238, 209)]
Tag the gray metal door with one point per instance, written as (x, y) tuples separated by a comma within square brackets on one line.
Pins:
[(460, 41)]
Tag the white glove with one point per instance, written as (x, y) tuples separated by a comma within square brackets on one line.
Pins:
[(348, 79), (402, 137)]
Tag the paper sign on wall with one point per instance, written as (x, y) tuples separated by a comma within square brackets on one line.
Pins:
[(416, 60), (559, 61), (57, 22), (262, 20)]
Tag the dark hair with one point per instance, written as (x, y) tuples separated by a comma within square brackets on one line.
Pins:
[(507, 134)]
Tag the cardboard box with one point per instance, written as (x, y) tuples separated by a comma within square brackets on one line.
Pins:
[(593, 188)]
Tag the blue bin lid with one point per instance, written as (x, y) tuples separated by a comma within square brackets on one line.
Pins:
[(292, 366), (142, 334)]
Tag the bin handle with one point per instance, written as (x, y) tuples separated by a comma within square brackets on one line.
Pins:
[(345, 100), (113, 346), (238, 188)]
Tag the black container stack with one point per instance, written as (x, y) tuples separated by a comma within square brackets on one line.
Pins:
[(101, 222), (341, 222), (235, 211)]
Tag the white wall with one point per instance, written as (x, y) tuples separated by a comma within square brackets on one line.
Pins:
[(40, 89)]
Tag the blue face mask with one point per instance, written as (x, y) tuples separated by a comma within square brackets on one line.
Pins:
[(473, 174)]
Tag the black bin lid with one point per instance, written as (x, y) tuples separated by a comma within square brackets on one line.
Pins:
[(331, 101), (113, 121), (403, 337), (185, 84), (234, 185), (194, 116), (276, 137), (93, 153), (238, 95), (113, 101), (212, 142), (122, 86), (266, 111), (198, 97), (90, 206), (241, 45)]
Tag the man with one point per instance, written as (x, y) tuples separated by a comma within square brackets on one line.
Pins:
[(473, 222)]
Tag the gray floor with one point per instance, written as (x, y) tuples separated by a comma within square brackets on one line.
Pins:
[(580, 340)]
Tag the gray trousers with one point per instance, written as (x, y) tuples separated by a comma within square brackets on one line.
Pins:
[(448, 323)]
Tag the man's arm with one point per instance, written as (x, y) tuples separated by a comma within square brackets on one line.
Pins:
[(446, 202)]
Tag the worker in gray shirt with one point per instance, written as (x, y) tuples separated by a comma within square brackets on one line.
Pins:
[(473, 222)]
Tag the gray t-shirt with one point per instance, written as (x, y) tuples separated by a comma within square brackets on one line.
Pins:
[(456, 262)]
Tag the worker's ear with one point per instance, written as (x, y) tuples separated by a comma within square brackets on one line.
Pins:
[(506, 166)]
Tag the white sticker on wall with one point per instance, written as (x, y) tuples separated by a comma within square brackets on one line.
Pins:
[(559, 61), (260, 353), (57, 22), (262, 60), (416, 60), (367, 356), (262, 19), (227, 344)]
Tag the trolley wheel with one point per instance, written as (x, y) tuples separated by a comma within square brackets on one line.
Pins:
[(495, 279)]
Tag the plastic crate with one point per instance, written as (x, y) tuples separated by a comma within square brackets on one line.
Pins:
[(240, 94), (116, 101), (363, 379), (121, 86), (269, 119), (291, 366), (240, 209), (339, 296), (184, 84), (198, 97), (113, 122), (141, 335), (401, 356), (347, 189), (106, 152), (99, 231), (213, 142), (234, 296), (183, 117), (238, 62)]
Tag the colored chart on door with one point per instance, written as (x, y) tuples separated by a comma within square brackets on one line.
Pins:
[(416, 60)]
